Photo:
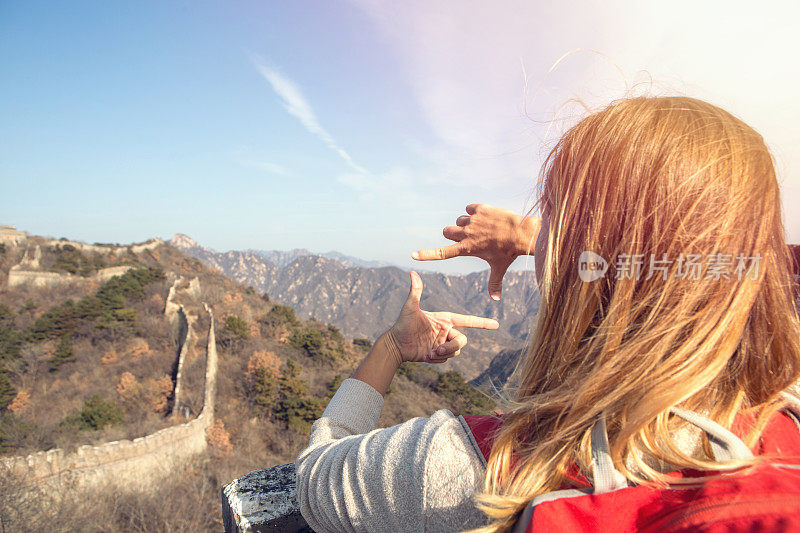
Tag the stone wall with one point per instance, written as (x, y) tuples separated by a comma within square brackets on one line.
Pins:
[(10, 236), (263, 500), (109, 249), (186, 334), (136, 463), (18, 275), (152, 244), (105, 274), (28, 272), (39, 278), (171, 306)]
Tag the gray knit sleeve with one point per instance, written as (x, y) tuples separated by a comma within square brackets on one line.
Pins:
[(416, 476)]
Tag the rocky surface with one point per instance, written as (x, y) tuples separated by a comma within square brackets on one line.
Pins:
[(496, 376), (263, 500)]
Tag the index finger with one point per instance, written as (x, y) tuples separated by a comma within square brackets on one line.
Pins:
[(471, 321), (454, 250)]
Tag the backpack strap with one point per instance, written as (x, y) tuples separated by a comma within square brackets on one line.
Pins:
[(724, 444), (606, 477), (792, 396)]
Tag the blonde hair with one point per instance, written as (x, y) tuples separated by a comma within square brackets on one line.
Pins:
[(664, 176)]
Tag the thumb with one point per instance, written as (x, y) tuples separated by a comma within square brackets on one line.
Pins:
[(415, 293), (496, 280)]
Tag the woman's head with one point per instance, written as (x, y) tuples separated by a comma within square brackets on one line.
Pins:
[(680, 200)]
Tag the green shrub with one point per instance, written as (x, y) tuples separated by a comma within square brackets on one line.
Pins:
[(364, 344), (333, 386), (420, 374), (57, 321), (237, 327), (262, 388), (310, 340), (467, 399), (11, 340), (281, 315), (97, 261), (124, 317), (13, 431), (96, 413), (63, 353), (70, 259), (131, 284), (107, 308), (295, 406), (7, 391), (325, 346), (303, 412), (334, 334), (30, 305)]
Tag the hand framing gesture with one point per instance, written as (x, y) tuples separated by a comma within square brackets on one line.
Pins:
[(493, 234), (431, 336)]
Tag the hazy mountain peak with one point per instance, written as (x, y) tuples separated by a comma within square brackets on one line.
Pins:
[(183, 241)]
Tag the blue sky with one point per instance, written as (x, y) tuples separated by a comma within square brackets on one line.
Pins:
[(363, 127)]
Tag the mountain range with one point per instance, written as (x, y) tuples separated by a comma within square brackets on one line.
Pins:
[(363, 301)]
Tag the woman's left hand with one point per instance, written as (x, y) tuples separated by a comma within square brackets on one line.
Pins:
[(431, 337)]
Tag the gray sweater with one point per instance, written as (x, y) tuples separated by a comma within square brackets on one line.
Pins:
[(416, 476)]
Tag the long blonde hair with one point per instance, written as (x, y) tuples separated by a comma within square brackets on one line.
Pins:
[(663, 176)]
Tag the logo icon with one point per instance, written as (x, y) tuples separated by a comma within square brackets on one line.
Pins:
[(591, 266)]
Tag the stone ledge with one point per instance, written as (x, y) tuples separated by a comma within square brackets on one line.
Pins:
[(263, 500)]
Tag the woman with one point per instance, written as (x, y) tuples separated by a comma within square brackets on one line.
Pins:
[(665, 282)]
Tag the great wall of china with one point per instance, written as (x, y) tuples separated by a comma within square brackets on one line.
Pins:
[(142, 461), (29, 272), (185, 324)]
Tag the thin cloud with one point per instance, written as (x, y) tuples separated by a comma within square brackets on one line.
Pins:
[(398, 186), (296, 104), (265, 166)]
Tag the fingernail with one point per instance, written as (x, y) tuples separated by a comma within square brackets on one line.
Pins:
[(414, 255), (495, 297)]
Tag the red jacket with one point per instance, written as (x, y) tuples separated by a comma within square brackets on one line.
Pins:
[(765, 498)]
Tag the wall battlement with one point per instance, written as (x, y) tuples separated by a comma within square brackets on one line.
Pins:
[(28, 272), (140, 462), (10, 236), (263, 500)]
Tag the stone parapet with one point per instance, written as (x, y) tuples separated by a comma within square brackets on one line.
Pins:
[(263, 500)]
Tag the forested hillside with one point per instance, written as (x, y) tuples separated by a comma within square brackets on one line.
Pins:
[(90, 361)]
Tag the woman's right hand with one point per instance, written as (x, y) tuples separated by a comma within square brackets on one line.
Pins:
[(496, 235)]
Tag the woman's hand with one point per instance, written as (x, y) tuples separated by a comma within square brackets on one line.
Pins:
[(496, 235), (431, 337)]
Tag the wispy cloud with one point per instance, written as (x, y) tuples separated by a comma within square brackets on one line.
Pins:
[(296, 104), (464, 69), (265, 166)]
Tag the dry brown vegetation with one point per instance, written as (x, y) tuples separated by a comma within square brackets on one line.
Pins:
[(275, 375)]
